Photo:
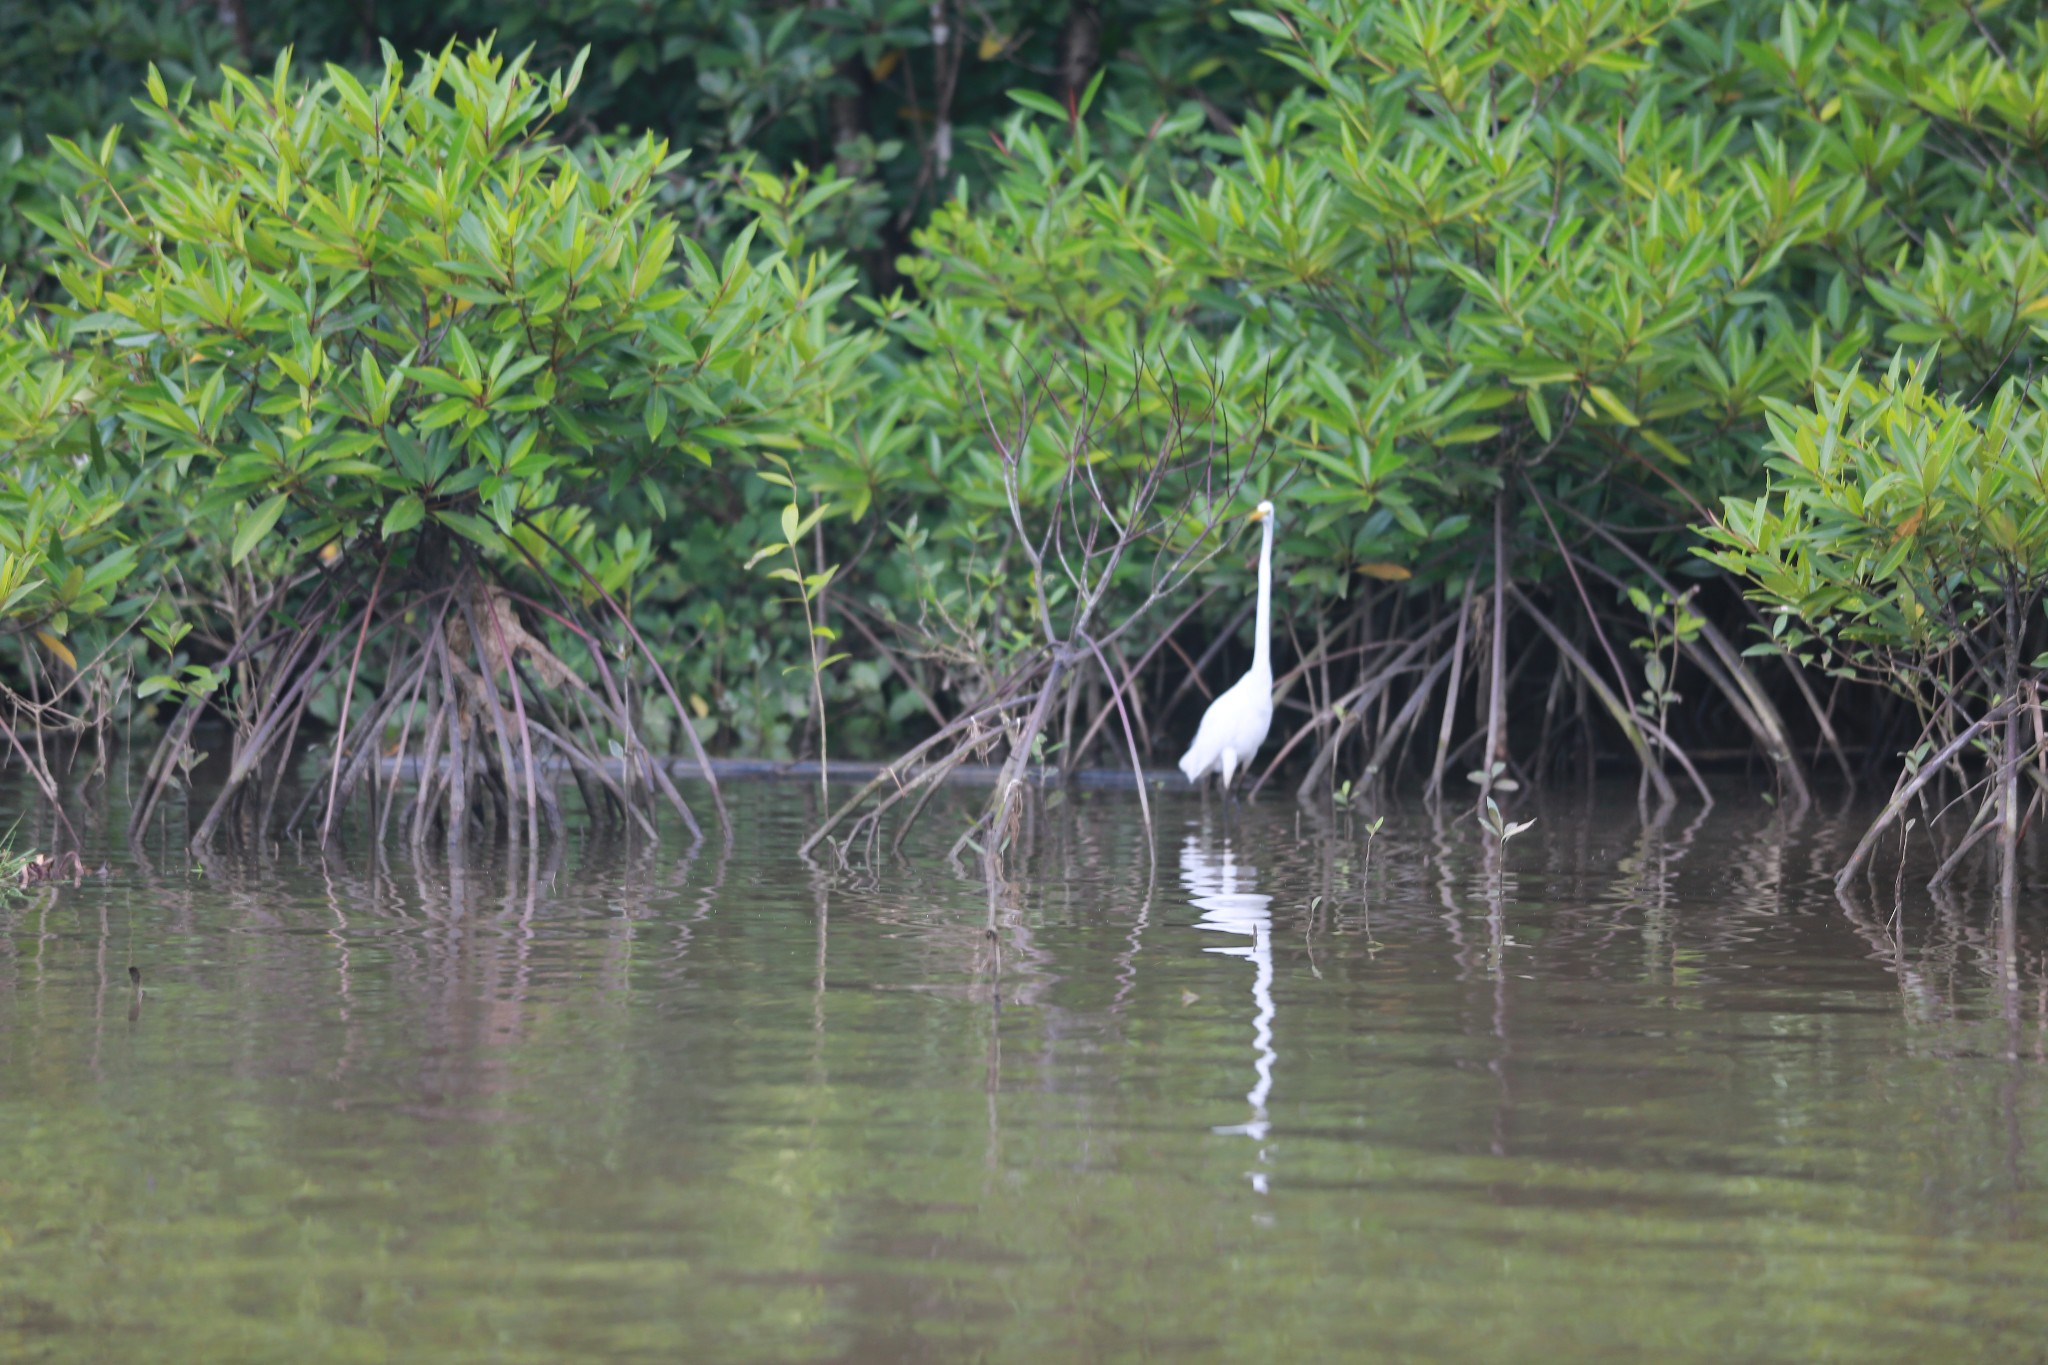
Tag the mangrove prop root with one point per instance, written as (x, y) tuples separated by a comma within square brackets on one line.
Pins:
[(1724, 666), (441, 666), (1434, 791), (1616, 708), (1910, 787)]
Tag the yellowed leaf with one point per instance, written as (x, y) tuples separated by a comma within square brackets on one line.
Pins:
[(58, 648), (1386, 573), (1664, 447), (886, 63), (1613, 406), (992, 45)]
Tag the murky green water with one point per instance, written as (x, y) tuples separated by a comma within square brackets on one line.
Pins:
[(1639, 1095)]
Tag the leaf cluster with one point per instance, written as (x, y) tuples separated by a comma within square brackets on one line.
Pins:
[(332, 312), (1905, 529)]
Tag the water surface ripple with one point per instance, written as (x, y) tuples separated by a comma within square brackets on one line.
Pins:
[(1623, 1093)]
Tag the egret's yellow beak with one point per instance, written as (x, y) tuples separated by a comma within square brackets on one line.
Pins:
[(1258, 514)]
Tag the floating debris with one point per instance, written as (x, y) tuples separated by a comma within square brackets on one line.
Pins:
[(40, 869)]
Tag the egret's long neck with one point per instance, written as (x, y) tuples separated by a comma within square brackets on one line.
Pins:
[(1262, 647)]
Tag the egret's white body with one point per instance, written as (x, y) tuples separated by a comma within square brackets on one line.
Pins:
[(1236, 723)]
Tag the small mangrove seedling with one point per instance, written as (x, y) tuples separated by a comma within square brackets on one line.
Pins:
[(1671, 627), (1365, 882), (796, 524), (1502, 829), (1493, 778), (1370, 830)]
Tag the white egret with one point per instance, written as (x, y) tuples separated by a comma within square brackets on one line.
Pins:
[(1236, 723)]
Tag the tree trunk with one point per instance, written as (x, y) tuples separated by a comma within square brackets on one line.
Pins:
[(1080, 51), (234, 16), (2009, 803)]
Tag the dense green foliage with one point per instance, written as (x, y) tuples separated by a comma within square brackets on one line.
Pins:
[(357, 311), (895, 96), (1499, 300), (1908, 530), (1906, 543)]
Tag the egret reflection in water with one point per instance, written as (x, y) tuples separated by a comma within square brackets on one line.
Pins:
[(1222, 890)]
